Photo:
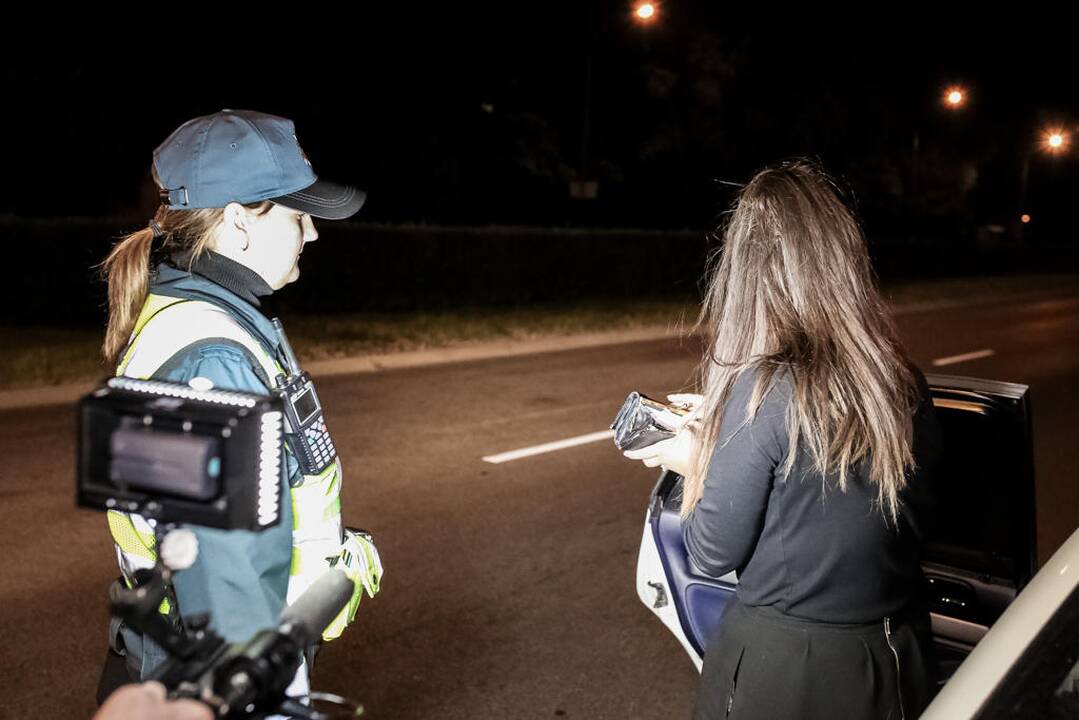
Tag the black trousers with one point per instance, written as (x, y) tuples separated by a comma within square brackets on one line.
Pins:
[(114, 674), (764, 664)]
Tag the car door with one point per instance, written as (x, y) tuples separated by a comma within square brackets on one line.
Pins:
[(981, 550), (978, 554)]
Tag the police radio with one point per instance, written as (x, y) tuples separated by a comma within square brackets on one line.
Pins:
[(306, 435)]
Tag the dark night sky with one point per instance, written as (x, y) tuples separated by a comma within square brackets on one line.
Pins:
[(395, 103)]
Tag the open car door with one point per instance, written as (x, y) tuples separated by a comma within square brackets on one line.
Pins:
[(977, 556)]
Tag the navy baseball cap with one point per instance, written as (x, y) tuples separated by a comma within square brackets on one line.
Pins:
[(246, 157)]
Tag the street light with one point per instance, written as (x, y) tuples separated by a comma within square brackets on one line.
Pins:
[(1056, 141), (955, 97), (582, 187), (645, 12)]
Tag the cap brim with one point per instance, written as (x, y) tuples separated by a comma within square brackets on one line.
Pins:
[(325, 199)]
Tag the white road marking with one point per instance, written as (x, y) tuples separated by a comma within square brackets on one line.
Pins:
[(953, 359), (549, 447)]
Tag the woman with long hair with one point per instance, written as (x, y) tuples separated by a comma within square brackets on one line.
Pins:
[(806, 463)]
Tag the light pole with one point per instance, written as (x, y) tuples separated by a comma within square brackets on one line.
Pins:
[(953, 99), (1053, 141), (583, 187)]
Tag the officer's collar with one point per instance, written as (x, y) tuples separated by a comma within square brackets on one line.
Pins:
[(229, 274)]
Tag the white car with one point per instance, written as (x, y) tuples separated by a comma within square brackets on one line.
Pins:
[(1027, 665), (979, 556)]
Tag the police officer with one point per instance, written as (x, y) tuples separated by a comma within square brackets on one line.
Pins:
[(238, 197)]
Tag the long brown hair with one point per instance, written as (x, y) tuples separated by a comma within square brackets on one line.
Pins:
[(792, 292), (127, 267)]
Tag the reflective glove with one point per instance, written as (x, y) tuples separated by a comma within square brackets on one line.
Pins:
[(360, 561)]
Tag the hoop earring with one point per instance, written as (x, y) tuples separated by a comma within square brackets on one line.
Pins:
[(247, 244)]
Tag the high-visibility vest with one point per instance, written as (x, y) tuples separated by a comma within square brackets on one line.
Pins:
[(167, 325)]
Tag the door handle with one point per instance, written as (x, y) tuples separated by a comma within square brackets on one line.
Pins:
[(661, 595)]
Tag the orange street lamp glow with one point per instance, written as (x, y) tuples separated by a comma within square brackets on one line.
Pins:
[(645, 12), (1025, 218), (1055, 140), (955, 97)]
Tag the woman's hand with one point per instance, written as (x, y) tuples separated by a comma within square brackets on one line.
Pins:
[(689, 400), (673, 420), (677, 453)]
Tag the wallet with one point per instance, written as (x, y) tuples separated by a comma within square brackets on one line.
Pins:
[(635, 426)]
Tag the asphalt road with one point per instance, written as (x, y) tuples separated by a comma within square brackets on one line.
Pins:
[(509, 588)]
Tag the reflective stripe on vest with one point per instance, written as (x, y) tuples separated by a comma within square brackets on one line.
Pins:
[(165, 326), (316, 528), (136, 547)]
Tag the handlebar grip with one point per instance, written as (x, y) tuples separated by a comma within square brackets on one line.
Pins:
[(319, 604)]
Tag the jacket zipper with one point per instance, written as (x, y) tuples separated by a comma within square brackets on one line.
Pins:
[(898, 686)]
